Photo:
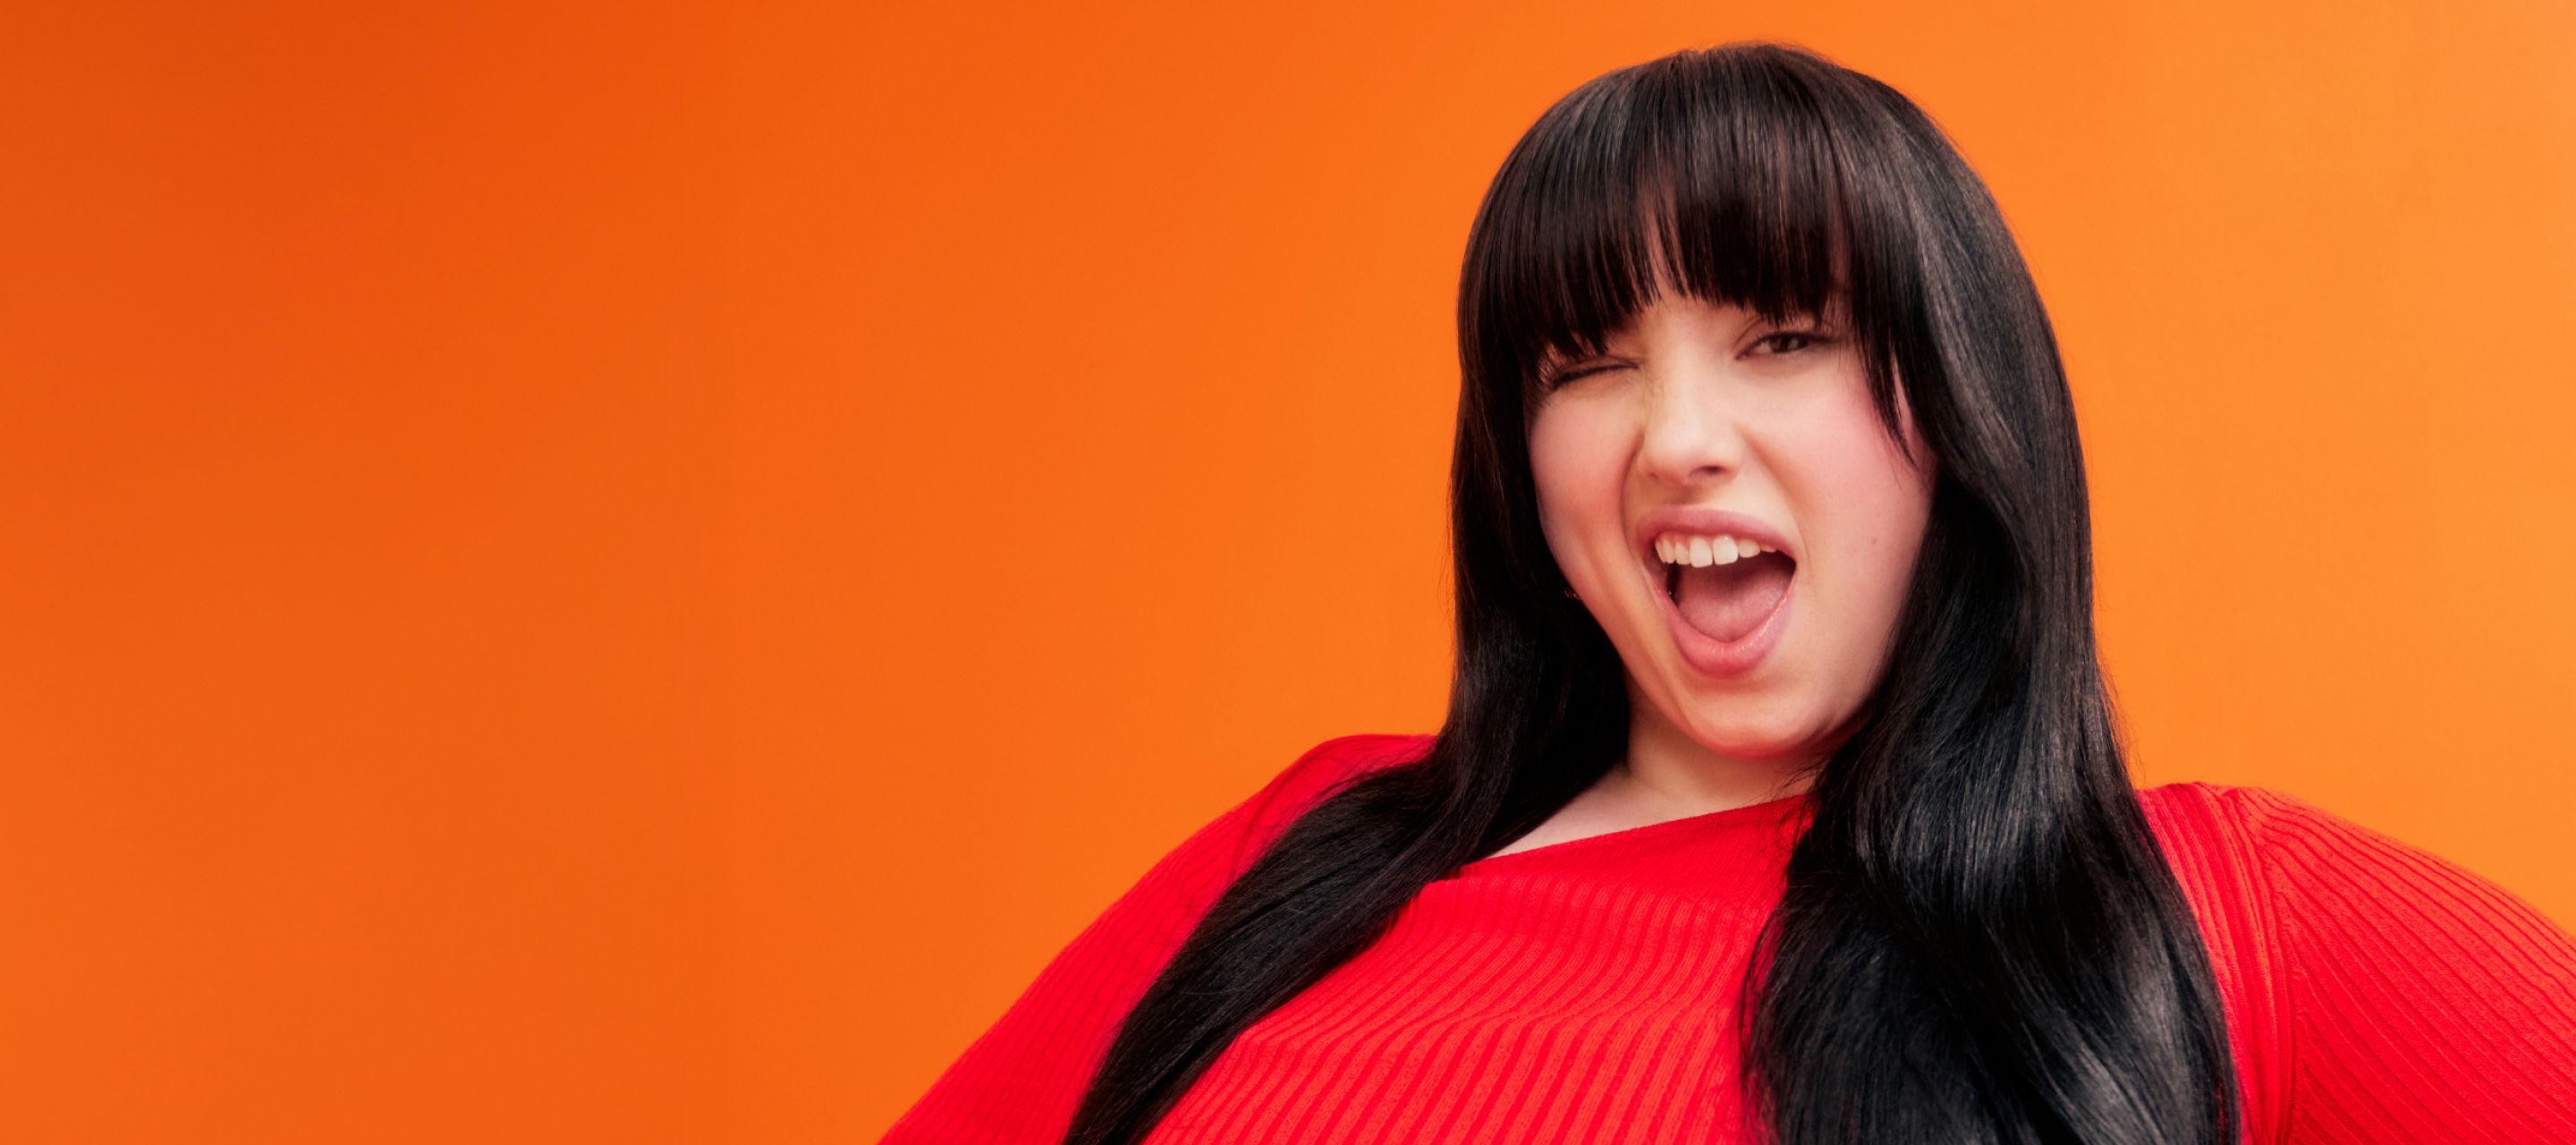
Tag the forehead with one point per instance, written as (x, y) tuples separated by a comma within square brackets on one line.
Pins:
[(1725, 173)]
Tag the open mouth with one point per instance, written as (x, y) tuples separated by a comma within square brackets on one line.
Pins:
[(1728, 601)]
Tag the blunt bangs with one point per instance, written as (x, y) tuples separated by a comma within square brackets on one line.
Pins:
[(1716, 174)]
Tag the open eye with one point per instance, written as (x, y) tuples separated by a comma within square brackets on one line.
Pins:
[(1803, 339)]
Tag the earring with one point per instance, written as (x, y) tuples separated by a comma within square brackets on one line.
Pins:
[(1569, 591)]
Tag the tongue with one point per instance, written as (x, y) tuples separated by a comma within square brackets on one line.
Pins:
[(1727, 601)]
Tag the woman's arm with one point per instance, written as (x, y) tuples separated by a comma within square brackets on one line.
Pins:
[(1018, 1083), (2426, 1003)]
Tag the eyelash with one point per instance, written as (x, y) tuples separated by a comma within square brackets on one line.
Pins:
[(1813, 340)]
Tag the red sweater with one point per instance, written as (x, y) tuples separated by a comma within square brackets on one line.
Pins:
[(1577, 991)]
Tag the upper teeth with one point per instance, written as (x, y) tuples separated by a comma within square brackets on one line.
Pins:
[(1700, 552)]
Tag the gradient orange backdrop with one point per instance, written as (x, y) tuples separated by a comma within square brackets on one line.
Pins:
[(630, 573)]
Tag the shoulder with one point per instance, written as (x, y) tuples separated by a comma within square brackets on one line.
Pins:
[(2219, 810), (2240, 841), (1021, 1079), (2284, 831), (1316, 774), (2274, 857), (2373, 974), (1190, 876), (2287, 834), (1332, 764), (2254, 852), (2357, 966)]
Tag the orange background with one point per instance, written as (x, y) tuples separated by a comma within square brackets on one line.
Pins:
[(630, 574)]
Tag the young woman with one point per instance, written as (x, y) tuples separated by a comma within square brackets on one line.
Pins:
[(1779, 797)]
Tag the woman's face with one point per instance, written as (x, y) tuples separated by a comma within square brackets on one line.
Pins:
[(1695, 406)]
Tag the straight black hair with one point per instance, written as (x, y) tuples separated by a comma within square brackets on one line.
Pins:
[(1980, 940)]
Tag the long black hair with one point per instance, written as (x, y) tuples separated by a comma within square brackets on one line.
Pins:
[(1980, 940)]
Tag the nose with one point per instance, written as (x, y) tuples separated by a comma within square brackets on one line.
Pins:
[(1694, 432)]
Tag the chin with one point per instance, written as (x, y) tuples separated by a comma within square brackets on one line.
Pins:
[(1745, 743)]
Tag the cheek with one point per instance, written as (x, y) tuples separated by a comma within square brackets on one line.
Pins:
[(1562, 459), (1907, 505), (1889, 508), (1870, 505), (1575, 462)]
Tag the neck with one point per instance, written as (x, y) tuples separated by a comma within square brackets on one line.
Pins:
[(1669, 768)]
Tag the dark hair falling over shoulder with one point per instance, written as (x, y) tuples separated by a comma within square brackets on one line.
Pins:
[(1980, 940)]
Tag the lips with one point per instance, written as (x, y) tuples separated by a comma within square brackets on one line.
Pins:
[(1705, 653)]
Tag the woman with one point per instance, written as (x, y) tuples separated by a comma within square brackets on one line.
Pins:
[(1779, 796)]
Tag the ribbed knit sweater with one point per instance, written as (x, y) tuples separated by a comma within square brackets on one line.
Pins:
[(1578, 992)]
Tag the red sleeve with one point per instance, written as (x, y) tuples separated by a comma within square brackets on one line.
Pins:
[(2426, 1004), (1018, 1083)]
